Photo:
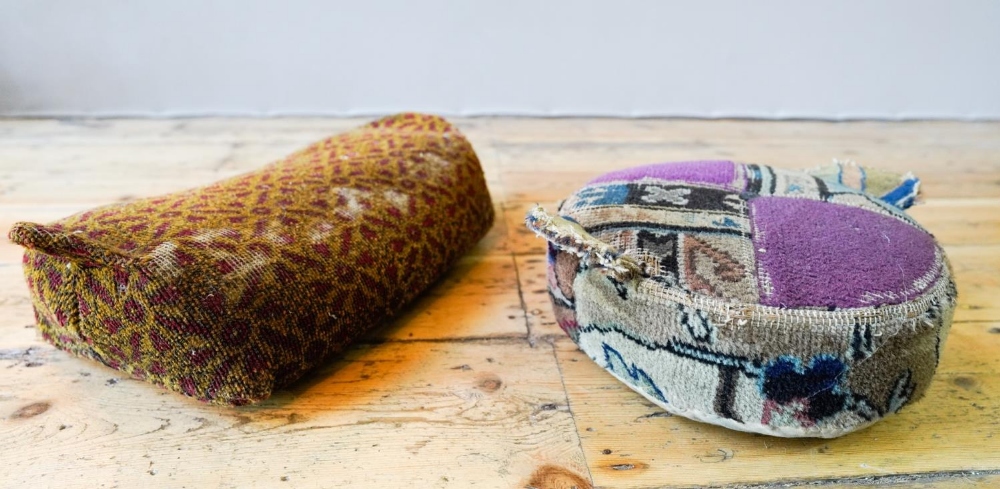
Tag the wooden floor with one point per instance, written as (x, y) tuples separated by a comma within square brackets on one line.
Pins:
[(476, 386)]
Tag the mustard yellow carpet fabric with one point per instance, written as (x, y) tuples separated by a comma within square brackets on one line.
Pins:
[(230, 291)]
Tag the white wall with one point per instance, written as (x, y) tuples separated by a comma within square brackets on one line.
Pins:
[(774, 59)]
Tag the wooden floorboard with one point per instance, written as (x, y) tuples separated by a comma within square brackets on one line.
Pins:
[(460, 414), (475, 385)]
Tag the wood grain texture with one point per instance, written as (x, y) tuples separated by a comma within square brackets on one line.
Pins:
[(475, 385), (424, 414)]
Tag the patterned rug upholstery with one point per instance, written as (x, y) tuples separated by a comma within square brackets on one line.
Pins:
[(230, 291), (781, 302)]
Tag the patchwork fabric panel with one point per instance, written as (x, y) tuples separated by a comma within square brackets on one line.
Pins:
[(230, 291), (780, 302)]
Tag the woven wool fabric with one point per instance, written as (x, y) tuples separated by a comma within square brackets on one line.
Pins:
[(230, 291), (765, 300)]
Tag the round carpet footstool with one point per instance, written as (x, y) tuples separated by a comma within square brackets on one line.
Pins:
[(788, 303)]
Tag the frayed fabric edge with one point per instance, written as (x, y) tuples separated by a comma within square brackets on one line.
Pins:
[(570, 237)]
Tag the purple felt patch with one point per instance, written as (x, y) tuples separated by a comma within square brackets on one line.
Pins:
[(817, 253), (720, 173)]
